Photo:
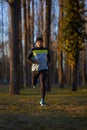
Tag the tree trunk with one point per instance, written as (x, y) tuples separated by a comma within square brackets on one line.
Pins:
[(60, 55), (29, 39), (47, 34), (14, 48), (25, 45), (41, 16), (83, 69), (3, 59), (74, 78), (67, 74), (32, 24), (21, 50)]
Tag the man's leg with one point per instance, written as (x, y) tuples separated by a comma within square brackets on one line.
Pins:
[(42, 78), (34, 78)]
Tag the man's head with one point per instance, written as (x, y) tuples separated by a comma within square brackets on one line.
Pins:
[(39, 42)]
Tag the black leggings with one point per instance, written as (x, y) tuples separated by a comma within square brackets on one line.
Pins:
[(42, 76)]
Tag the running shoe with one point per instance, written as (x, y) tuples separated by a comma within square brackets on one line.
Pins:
[(42, 103)]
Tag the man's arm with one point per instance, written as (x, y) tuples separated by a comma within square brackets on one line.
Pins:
[(30, 57)]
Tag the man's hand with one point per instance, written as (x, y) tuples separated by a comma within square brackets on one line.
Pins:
[(36, 61)]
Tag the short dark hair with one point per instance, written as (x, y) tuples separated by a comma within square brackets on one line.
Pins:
[(39, 39)]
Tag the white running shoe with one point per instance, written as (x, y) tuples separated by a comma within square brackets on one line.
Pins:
[(42, 103)]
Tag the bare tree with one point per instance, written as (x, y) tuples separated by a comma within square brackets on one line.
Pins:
[(29, 36), (25, 44), (3, 61), (47, 32), (60, 54), (21, 47), (14, 47), (32, 23)]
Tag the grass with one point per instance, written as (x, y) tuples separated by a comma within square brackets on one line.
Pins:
[(65, 110)]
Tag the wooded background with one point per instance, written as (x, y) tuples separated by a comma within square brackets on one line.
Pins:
[(63, 26)]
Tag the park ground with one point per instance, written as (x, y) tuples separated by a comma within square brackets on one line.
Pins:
[(64, 110)]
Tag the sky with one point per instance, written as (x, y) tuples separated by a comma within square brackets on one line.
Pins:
[(5, 18)]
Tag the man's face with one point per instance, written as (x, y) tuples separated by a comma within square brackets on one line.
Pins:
[(39, 43)]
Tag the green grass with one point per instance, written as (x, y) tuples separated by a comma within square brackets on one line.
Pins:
[(65, 110)]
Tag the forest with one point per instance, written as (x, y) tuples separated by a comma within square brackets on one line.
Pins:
[(63, 26)]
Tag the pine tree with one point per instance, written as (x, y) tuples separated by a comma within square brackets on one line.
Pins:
[(73, 34)]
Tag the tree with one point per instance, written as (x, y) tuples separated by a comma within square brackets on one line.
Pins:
[(29, 36), (73, 35), (60, 54), (3, 59), (47, 32), (83, 53), (25, 44), (21, 48), (14, 47), (32, 23)]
